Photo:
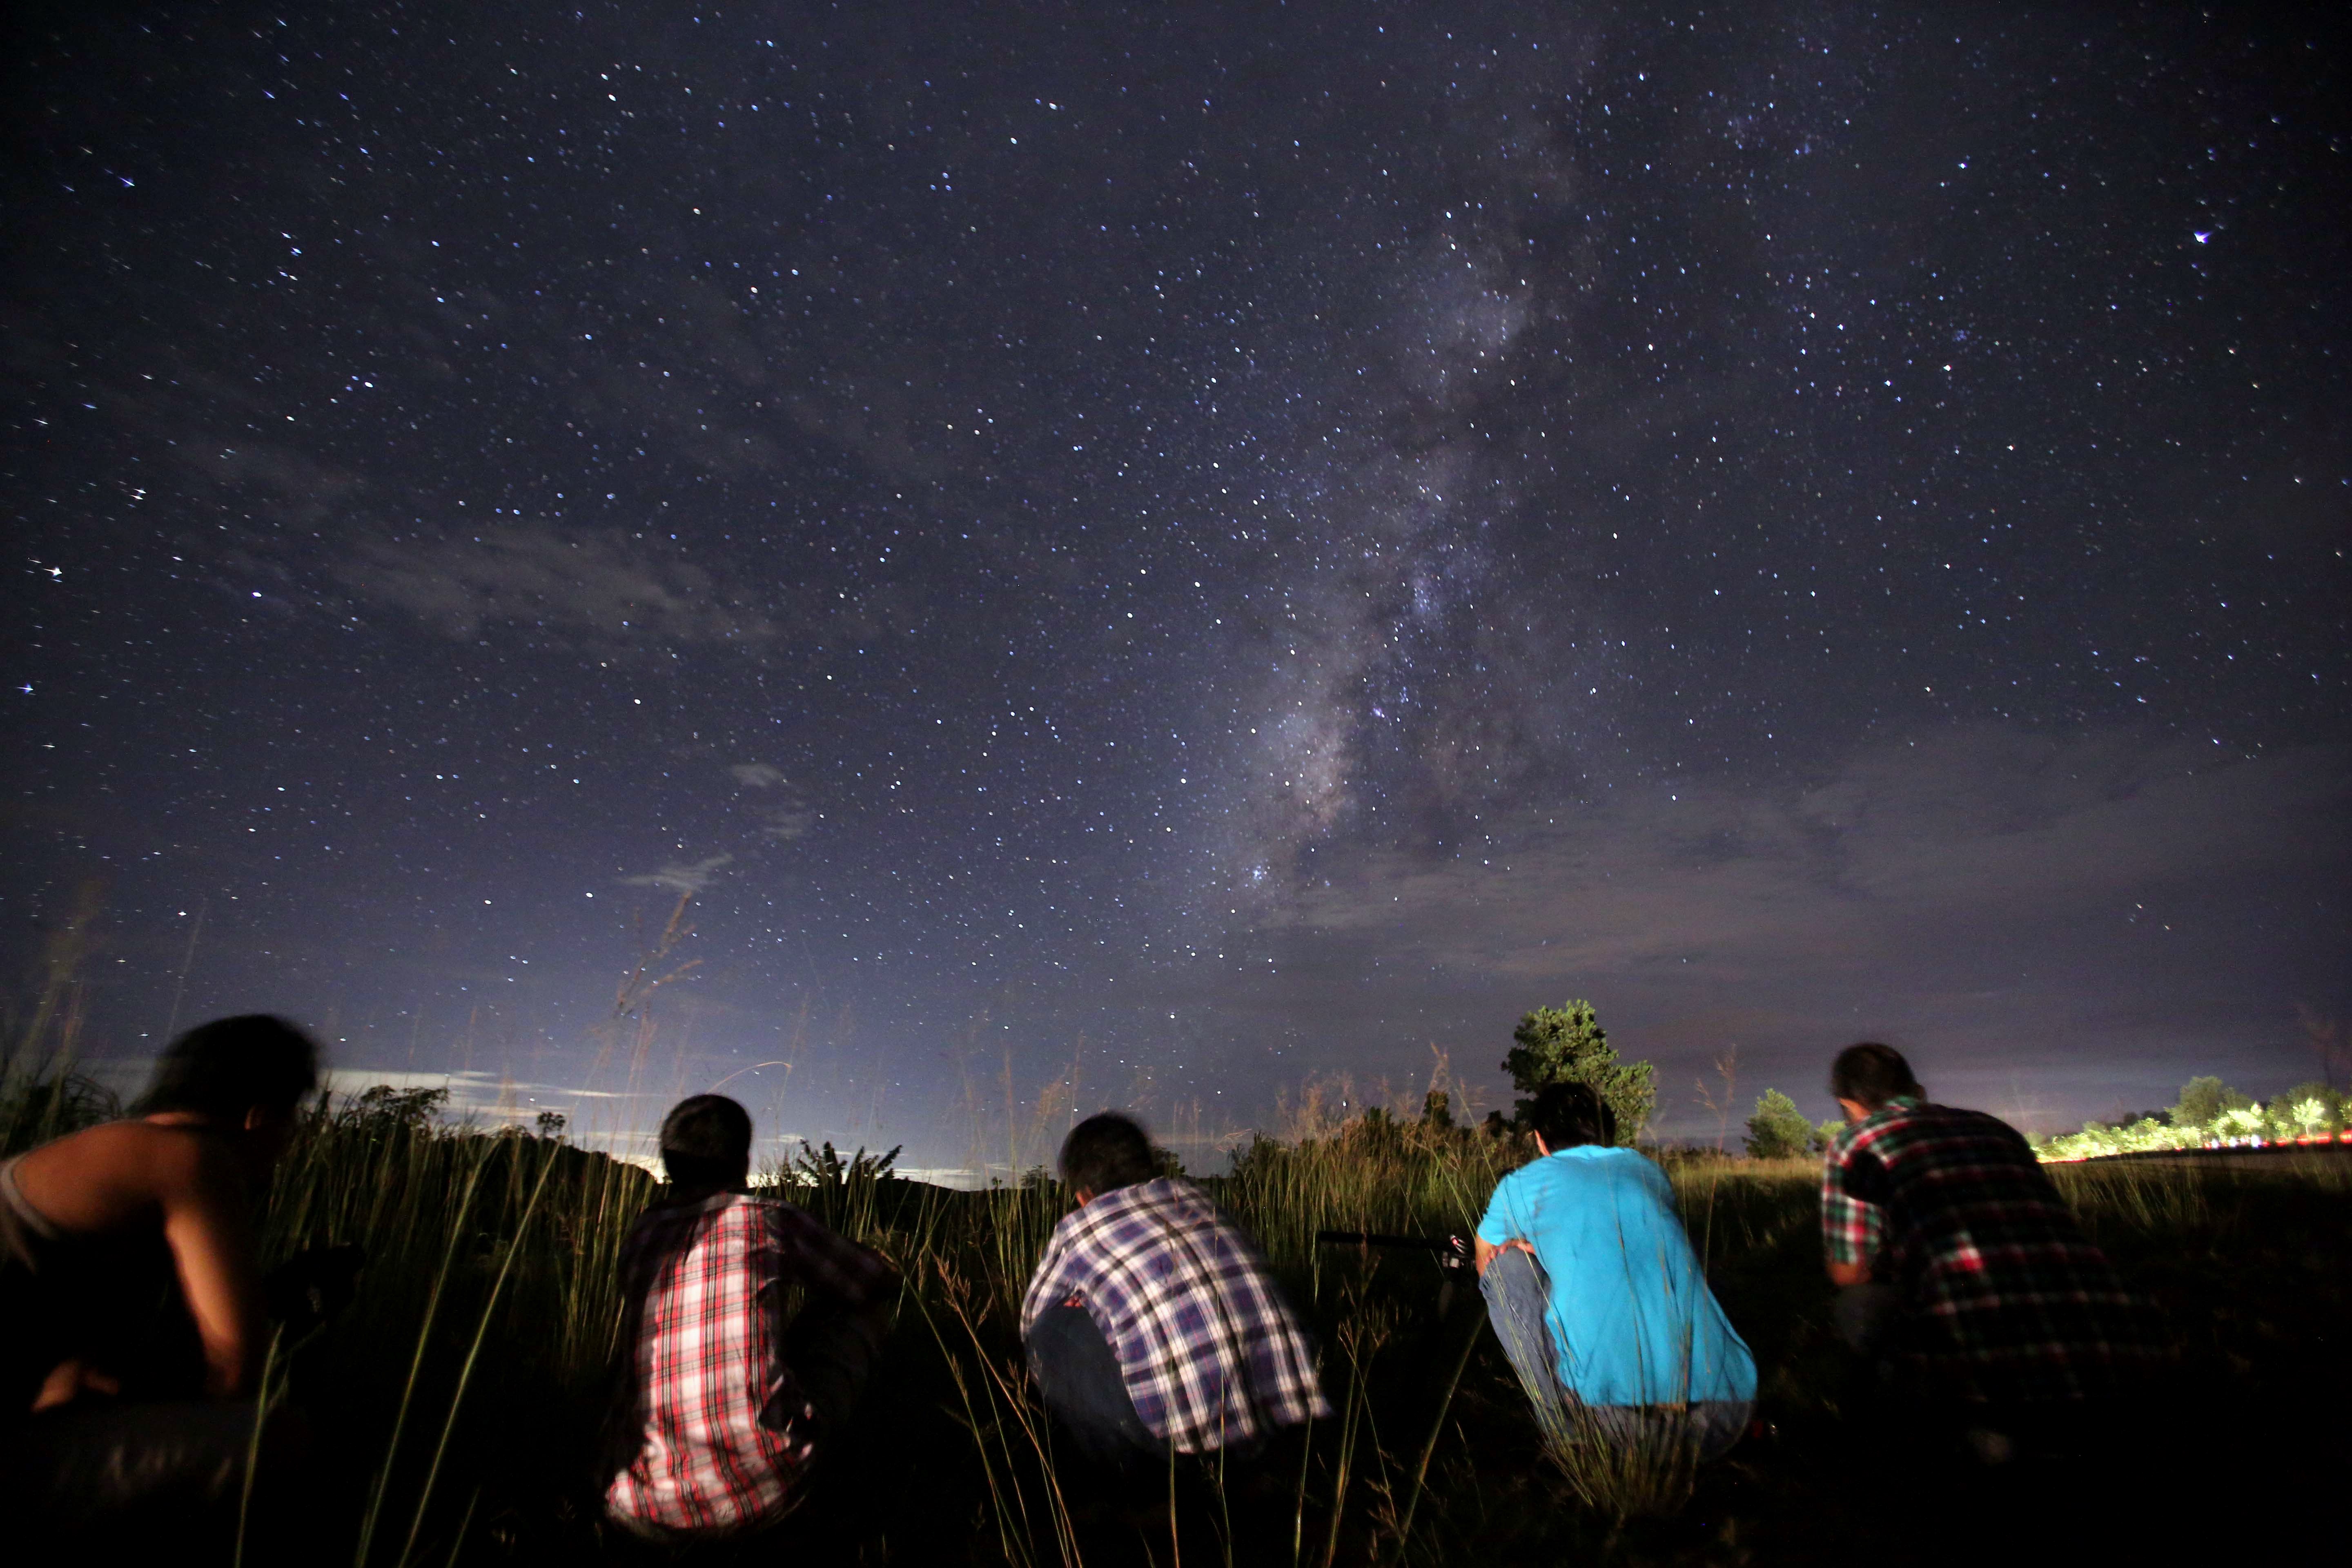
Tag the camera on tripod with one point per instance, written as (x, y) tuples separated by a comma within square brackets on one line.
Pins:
[(1451, 1253)]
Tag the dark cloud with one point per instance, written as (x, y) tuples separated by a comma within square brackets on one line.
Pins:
[(1989, 896)]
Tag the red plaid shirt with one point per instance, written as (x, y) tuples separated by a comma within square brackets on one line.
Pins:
[(2008, 1299), (706, 1284)]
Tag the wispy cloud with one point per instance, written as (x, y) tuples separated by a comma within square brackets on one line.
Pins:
[(683, 879), (605, 586), (785, 827), (785, 817), (469, 1089)]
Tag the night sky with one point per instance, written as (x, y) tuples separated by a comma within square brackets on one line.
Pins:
[(1188, 549)]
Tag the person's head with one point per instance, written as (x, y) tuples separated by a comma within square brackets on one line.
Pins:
[(1568, 1115), (706, 1142), (245, 1074), (1866, 1077), (1105, 1153)]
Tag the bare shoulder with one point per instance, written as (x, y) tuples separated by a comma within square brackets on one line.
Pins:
[(174, 1149), (110, 1175)]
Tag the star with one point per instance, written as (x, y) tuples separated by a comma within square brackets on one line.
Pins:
[(866, 558)]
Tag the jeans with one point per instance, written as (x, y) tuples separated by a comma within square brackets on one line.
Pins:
[(1517, 1293), (1078, 1375)]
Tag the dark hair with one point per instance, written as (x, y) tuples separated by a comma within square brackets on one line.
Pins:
[(1567, 1114), (706, 1141), (1106, 1152), (226, 1067), (1871, 1074)]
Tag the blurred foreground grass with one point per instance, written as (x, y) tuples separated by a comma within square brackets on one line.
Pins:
[(455, 1404)]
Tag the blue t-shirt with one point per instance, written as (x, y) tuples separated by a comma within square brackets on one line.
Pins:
[(1630, 1313)]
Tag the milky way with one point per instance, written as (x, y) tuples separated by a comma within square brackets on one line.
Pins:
[(1160, 555)]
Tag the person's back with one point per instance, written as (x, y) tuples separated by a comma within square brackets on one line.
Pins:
[(1151, 1322), (725, 1405), (1637, 1322), (1591, 1283), (2002, 1299)]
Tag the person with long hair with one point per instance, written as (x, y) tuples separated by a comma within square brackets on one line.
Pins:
[(133, 1326)]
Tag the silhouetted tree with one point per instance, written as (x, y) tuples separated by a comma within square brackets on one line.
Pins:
[(384, 1108), (1567, 1045)]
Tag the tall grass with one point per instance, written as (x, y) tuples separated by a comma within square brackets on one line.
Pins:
[(504, 1242), (513, 1241), (1373, 1172), (466, 1381), (1010, 1431)]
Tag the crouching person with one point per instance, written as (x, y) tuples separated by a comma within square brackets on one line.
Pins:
[(133, 1333), (1962, 1273), (1152, 1324), (723, 1406), (1599, 1300)]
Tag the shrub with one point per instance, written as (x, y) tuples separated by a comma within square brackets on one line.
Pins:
[(2203, 1100), (1778, 1131)]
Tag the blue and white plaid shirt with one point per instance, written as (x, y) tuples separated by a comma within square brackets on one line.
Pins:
[(1211, 1353)]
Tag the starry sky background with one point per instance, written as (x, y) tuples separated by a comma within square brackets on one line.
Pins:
[(1161, 553)]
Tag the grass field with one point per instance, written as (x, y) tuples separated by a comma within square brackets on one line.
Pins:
[(454, 1404)]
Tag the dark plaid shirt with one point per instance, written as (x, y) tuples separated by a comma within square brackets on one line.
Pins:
[(1210, 1354), (2007, 1300)]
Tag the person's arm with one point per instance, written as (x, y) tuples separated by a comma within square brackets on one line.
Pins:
[(1483, 1252), (1044, 1281), (621, 1434), (845, 1275), (1852, 1230), (208, 1225), (1497, 1232)]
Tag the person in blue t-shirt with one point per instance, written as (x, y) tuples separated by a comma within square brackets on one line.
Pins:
[(1592, 1285)]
